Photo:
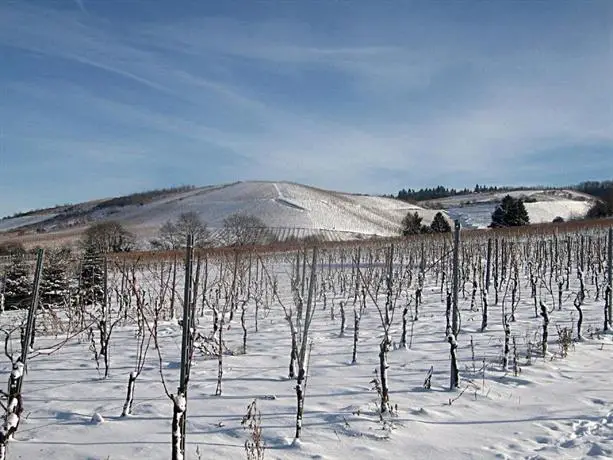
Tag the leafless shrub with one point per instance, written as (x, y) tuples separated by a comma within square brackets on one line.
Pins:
[(252, 421)]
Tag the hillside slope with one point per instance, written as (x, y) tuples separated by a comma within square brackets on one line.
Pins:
[(290, 210), (475, 210)]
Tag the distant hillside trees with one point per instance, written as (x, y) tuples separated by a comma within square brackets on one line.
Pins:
[(601, 190), (594, 188), (440, 192), (173, 235), (429, 193), (511, 212), (33, 212), (604, 192), (142, 198)]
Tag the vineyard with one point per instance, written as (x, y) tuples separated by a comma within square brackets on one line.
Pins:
[(478, 344)]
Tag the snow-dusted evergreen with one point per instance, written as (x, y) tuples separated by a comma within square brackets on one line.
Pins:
[(55, 282), (18, 283)]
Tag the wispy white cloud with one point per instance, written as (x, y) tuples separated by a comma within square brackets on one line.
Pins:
[(283, 100), (81, 5)]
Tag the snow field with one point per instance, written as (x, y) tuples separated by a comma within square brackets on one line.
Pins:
[(475, 211), (554, 408), (479, 215)]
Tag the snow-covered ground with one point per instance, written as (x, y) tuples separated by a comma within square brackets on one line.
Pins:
[(475, 210), (546, 211), (553, 408), (495, 197), (479, 215)]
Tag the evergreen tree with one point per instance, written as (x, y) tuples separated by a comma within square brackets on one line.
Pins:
[(511, 212), (411, 224), (17, 284), (598, 189), (91, 278), (54, 285), (99, 239), (600, 210), (520, 216), (603, 207), (439, 224)]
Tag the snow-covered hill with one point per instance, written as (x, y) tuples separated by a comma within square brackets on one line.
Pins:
[(475, 210), (290, 210), (24, 221)]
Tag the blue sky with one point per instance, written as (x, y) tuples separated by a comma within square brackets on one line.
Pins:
[(105, 97)]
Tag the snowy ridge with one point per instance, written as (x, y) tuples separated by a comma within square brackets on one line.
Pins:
[(290, 210), (295, 211), (17, 222)]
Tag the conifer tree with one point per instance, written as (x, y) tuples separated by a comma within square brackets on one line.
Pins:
[(54, 286), (100, 239), (439, 224), (411, 224), (91, 278), (18, 284), (511, 212)]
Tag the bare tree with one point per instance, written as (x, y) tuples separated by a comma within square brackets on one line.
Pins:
[(245, 229), (105, 317), (143, 337), (172, 235), (386, 315), (108, 236)]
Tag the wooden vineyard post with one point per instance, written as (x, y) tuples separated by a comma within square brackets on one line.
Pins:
[(180, 401), (32, 312), (489, 265), (14, 405), (456, 252), (610, 273), (304, 352)]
